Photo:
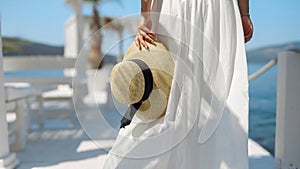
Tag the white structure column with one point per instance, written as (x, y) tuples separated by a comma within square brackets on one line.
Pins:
[(7, 160), (287, 148), (73, 35)]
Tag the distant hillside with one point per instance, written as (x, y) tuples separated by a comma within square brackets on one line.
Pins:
[(267, 53), (18, 46)]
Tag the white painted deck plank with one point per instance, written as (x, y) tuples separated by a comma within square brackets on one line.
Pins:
[(72, 148)]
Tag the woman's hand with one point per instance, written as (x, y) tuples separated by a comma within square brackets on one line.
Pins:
[(144, 33), (247, 27)]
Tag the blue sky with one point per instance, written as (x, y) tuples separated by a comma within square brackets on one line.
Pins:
[(275, 21)]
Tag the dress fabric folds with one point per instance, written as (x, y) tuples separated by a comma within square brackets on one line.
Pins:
[(206, 122)]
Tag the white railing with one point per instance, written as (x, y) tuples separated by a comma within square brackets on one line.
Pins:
[(76, 78), (262, 70), (27, 63), (17, 101)]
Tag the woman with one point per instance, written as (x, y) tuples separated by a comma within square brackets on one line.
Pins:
[(206, 123)]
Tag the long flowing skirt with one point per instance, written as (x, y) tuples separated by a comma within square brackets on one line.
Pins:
[(206, 123)]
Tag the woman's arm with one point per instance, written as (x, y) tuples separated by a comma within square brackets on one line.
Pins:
[(246, 21), (244, 6), (144, 32), (145, 8)]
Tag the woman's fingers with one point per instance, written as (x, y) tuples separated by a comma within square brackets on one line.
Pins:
[(147, 38), (248, 33), (148, 31), (137, 42), (248, 36), (144, 35), (142, 41)]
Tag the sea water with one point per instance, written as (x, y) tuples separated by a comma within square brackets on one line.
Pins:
[(36, 73), (262, 114)]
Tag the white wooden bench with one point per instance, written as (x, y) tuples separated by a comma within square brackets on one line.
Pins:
[(46, 63), (18, 97)]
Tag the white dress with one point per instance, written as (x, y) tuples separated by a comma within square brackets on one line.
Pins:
[(206, 123)]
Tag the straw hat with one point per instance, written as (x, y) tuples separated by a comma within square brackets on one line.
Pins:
[(143, 80)]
